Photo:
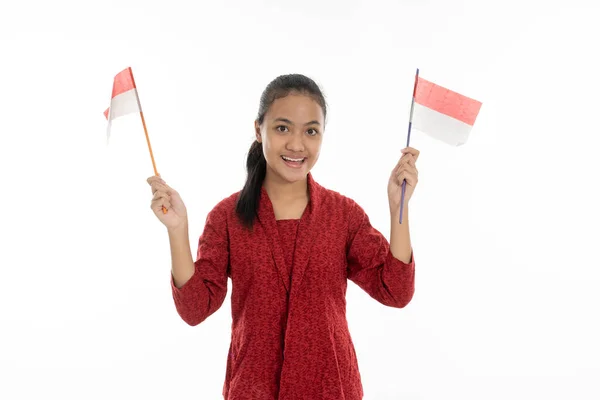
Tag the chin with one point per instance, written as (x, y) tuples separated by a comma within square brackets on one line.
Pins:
[(293, 175)]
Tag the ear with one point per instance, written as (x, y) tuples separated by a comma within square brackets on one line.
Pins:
[(257, 132)]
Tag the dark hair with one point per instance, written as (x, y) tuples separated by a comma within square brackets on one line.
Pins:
[(256, 165)]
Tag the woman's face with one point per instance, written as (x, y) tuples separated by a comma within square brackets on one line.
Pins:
[(291, 136)]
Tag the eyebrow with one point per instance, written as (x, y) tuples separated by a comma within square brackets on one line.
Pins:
[(287, 121)]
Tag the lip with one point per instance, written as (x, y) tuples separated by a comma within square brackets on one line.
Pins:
[(294, 165), (294, 157)]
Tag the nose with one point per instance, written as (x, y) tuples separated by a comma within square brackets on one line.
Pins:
[(296, 142)]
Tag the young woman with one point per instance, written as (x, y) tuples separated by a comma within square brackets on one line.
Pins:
[(289, 246)]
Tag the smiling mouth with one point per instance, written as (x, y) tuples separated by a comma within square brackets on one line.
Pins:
[(294, 160)]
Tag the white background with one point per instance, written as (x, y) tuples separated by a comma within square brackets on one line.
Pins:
[(505, 228)]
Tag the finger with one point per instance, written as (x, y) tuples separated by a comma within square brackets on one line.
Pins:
[(396, 169), (408, 168), (399, 164), (401, 175), (411, 179), (158, 186), (408, 159), (159, 199), (168, 188), (407, 171), (158, 204), (158, 208), (411, 169), (160, 195), (155, 187), (411, 150), (153, 179)]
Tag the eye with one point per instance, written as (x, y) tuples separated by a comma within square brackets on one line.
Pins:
[(312, 132), (281, 128)]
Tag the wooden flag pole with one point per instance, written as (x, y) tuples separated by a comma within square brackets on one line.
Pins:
[(146, 131), (412, 107)]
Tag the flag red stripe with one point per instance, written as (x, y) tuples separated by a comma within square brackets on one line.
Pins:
[(123, 82), (447, 102)]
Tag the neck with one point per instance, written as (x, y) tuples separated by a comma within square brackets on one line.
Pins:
[(280, 190)]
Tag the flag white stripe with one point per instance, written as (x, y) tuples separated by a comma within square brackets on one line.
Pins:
[(124, 103), (440, 126)]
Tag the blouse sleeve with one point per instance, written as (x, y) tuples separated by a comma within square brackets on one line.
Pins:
[(372, 266), (204, 293)]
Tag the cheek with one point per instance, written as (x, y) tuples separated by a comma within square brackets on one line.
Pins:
[(315, 149), (270, 148)]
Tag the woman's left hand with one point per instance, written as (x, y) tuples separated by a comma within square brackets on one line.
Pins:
[(406, 169)]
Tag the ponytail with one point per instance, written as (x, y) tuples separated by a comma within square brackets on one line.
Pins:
[(249, 198)]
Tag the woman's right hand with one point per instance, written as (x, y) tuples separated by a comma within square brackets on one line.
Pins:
[(167, 197)]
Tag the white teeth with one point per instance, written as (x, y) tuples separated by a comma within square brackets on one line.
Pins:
[(292, 159)]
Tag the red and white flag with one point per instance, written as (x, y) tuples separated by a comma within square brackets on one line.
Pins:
[(124, 99), (443, 114)]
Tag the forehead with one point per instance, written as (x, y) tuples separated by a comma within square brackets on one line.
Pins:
[(296, 107)]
